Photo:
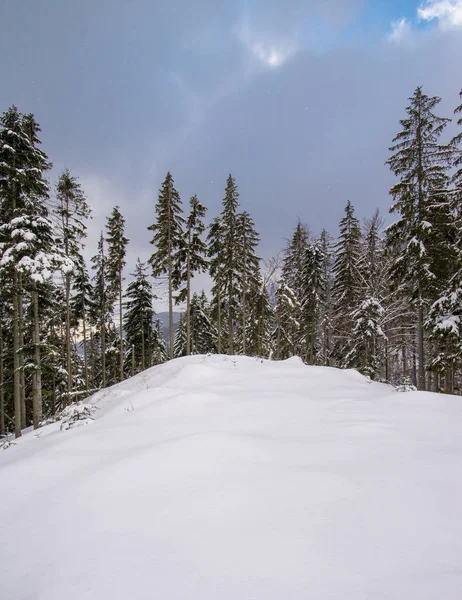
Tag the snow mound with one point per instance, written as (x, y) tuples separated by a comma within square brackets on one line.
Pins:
[(228, 478)]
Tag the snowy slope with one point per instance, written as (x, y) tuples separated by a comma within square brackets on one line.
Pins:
[(212, 478)]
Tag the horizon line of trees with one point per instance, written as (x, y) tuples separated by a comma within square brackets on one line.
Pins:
[(386, 302)]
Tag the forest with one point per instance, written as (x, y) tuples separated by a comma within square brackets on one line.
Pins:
[(384, 301)]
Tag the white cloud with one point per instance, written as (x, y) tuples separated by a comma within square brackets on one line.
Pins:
[(266, 49), (448, 13), (400, 30)]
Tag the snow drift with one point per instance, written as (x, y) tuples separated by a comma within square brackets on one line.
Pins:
[(221, 478)]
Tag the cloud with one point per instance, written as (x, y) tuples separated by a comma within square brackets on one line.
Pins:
[(267, 49), (400, 30), (448, 13)]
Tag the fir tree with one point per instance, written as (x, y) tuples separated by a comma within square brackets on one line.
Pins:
[(346, 287), (73, 210), (314, 291), (138, 317), (287, 325), (215, 251), (180, 338), (101, 312), (169, 241), (229, 280), (117, 249), (192, 257), (421, 163), (248, 269)]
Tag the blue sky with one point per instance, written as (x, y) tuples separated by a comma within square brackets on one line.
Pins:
[(298, 99)]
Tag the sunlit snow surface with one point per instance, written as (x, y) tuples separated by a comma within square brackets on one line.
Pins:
[(213, 478)]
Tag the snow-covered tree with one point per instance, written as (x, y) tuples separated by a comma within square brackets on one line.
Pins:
[(192, 257), (117, 249), (420, 163), (286, 322), (73, 211), (347, 284), (138, 317), (168, 240)]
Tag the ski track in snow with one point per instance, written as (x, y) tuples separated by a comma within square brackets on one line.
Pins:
[(232, 478)]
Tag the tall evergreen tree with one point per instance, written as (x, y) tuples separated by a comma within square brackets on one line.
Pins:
[(102, 307), (314, 291), (138, 317), (216, 253), (73, 210), (192, 256), (421, 163), (117, 249), (230, 267), (248, 270), (287, 325), (347, 284), (169, 241)]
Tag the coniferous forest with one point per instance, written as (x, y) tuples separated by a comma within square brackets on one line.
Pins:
[(386, 301)]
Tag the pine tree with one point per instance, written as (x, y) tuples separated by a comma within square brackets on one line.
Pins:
[(287, 325), (138, 317), (117, 249), (314, 291), (230, 268), (421, 163), (158, 348), (215, 251), (29, 251), (327, 308), (248, 270), (347, 284), (169, 241), (73, 210), (180, 338), (102, 305), (203, 331), (193, 257), (81, 304)]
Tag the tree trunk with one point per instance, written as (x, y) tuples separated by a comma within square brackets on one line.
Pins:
[(133, 360), (188, 302), (230, 320), (121, 329), (219, 319), (2, 391), (103, 351), (85, 358), (37, 395), (22, 375), (16, 365), (68, 336), (143, 349), (421, 349)]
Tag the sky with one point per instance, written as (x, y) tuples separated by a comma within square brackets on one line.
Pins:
[(298, 99)]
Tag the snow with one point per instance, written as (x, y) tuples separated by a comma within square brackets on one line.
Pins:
[(231, 478)]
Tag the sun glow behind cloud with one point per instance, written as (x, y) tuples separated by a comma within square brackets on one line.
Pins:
[(266, 49)]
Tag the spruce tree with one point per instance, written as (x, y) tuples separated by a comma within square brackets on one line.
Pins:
[(138, 317), (248, 271), (314, 291), (73, 210), (180, 338), (117, 249), (192, 257), (215, 251), (347, 283), (421, 163), (230, 257), (169, 242), (101, 312), (287, 325)]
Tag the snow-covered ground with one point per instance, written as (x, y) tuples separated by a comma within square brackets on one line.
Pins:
[(219, 478)]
